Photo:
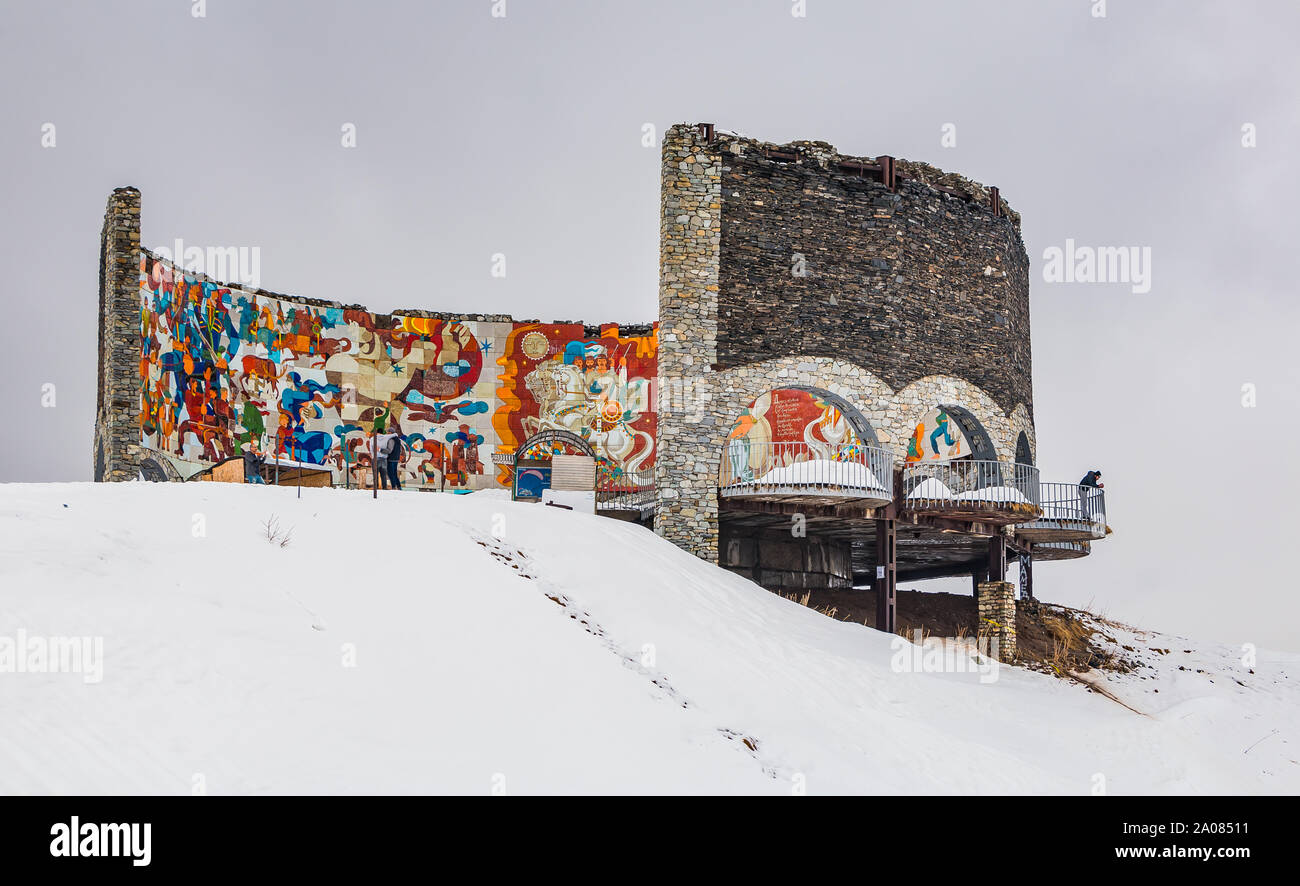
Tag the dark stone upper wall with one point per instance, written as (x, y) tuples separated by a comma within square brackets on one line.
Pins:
[(907, 283)]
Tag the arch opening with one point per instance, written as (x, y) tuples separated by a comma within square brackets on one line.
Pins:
[(947, 432), (851, 414), (533, 461), (953, 469), (1024, 454), (545, 444), (801, 440), (152, 471)]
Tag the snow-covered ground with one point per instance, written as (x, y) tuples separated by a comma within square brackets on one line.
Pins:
[(440, 643)]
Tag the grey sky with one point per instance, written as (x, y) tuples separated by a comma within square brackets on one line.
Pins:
[(522, 136)]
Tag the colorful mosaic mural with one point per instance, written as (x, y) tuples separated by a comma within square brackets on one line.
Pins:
[(222, 368), (937, 437), (599, 389), (785, 426)]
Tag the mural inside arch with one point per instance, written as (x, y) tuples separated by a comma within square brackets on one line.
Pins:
[(937, 437), (221, 367), (786, 425)]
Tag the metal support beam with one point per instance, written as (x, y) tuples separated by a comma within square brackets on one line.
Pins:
[(886, 580), (967, 527), (925, 573), (1027, 576), (998, 558), (887, 176)]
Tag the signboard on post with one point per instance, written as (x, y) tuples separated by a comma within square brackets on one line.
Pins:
[(573, 473), (573, 482)]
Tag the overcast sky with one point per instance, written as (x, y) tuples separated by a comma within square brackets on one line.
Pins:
[(523, 135)]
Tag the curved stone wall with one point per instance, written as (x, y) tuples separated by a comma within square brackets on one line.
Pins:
[(909, 282), (193, 370)]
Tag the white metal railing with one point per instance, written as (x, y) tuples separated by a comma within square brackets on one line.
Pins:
[(849, 469), (1060, 550), (1075, 503), (628, 490), (938, 485)]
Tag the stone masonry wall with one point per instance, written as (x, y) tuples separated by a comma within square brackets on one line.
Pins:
[(685, 473), (910, 283), (997, 616), (117, 430), (782, 563)]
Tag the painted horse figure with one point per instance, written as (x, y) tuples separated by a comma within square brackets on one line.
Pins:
[(213, 437)]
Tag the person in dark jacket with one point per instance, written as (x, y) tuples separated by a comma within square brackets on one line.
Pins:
[(1088, 487), (389, 447), (394, 460), (253, 462)]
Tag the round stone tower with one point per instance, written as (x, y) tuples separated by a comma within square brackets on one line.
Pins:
[(889, 289)]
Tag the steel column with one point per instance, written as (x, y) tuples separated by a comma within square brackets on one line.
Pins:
[(886, 581), (887, 173), (998, 558)]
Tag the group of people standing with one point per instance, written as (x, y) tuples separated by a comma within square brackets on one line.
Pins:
[(386, 447), (388, 457)]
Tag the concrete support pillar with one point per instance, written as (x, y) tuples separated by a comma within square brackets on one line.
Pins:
[(997, 617)]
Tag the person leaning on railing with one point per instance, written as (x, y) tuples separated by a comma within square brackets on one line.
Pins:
[(1088, 486)]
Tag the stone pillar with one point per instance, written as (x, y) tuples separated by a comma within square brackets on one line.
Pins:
[(117, 412), (690, 432), (997, 616)]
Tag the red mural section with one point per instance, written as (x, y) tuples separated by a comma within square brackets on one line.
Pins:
[(788, 426), (787, 415), (554, 378)]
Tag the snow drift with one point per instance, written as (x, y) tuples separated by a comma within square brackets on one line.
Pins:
[(439, 643), (823, 472)]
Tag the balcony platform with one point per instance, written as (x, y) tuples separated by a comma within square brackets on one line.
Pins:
[(990, 492), (806, 495), (1061, 550), (1050, 529), (807, 474), (1070, 513)]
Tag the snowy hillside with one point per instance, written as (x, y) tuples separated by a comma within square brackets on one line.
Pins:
[(439, 643)]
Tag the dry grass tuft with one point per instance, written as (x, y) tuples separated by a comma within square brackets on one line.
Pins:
[(274, 534)]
